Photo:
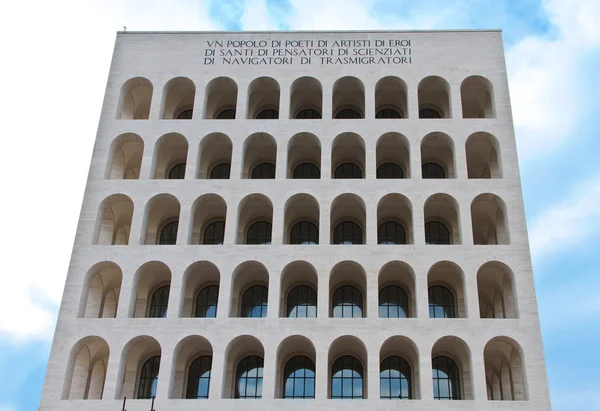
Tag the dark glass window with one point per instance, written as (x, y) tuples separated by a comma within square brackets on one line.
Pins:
[(347, 170), (220, 172), (446, 379), (168, 235), (264, 170), (348, 113), (308, 114), (249, 375), (177, 172), (214, 233), (185, 115), (394, 379), (347, 233), (149, 378), (306, 170), (347, 303), (437, 233), (259, 233), (199, 378), (304, 232), (206, 303), (393, 302), (159, 303), (299, 378), (388, 113), (441, 303), (347, 378), (429, 113), (228, 114), (391, 232), (302, 302), (268, 115), (433, 170), (254, 302), (390, 170)]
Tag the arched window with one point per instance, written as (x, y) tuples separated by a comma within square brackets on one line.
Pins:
[(347, 170), (264, 170), (299, 378), (437, 233), (268, 115), (259, 233), (304, 232), (446, 379), (149, 378), (393, 302), (433, 170), (394, 379), (177, 172), (391, 232), (347, 233), (307, 170), (228, 114), (390, 170), (206, 303), (348, 113), (185, 115), (347, 303), (429, 113), (302, 302), (441, 303), (168, 235), (308, 114), (347, 378), (214, 233), (388, 113), (248, 378), (159, 302), (199, 377), (254, 302), (220, 171)]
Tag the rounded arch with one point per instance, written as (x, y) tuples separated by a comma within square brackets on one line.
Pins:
[(505, 370), (239, 348), (390, 94), (86, 369), (170, 150), (396, 274), (347, 148), (306, 93), (348, 94), (263, 94), (246, 275), (178, 99), (437, 148), (477, 96), (483, 159), (113, 221), (259, 148), (397, 208), (101, 290), (196, 277), (298, 274), (215, 150), (434, 95), (352, 274), (135, 99), (489, 220), (289, 348), (162, 209), (393, 148), (220, 95), (133, 357), (253, 208), (208, 209), (458, 351), (301, 209), (148, 278), (496, 290), (186, 351), (347, 346), (303, 148), (348, 208), (442, 208), (450, 276), (125, 158), (405, 348)]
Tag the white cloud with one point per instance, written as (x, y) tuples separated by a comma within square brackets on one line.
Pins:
[(569, 223), (256, 16)]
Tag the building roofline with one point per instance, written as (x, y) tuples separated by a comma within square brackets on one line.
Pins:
[(312, 31)]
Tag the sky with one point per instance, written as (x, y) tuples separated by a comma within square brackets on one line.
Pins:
[(56, 58)]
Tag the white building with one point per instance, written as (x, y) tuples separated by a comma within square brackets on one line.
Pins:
[(222, 157)]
